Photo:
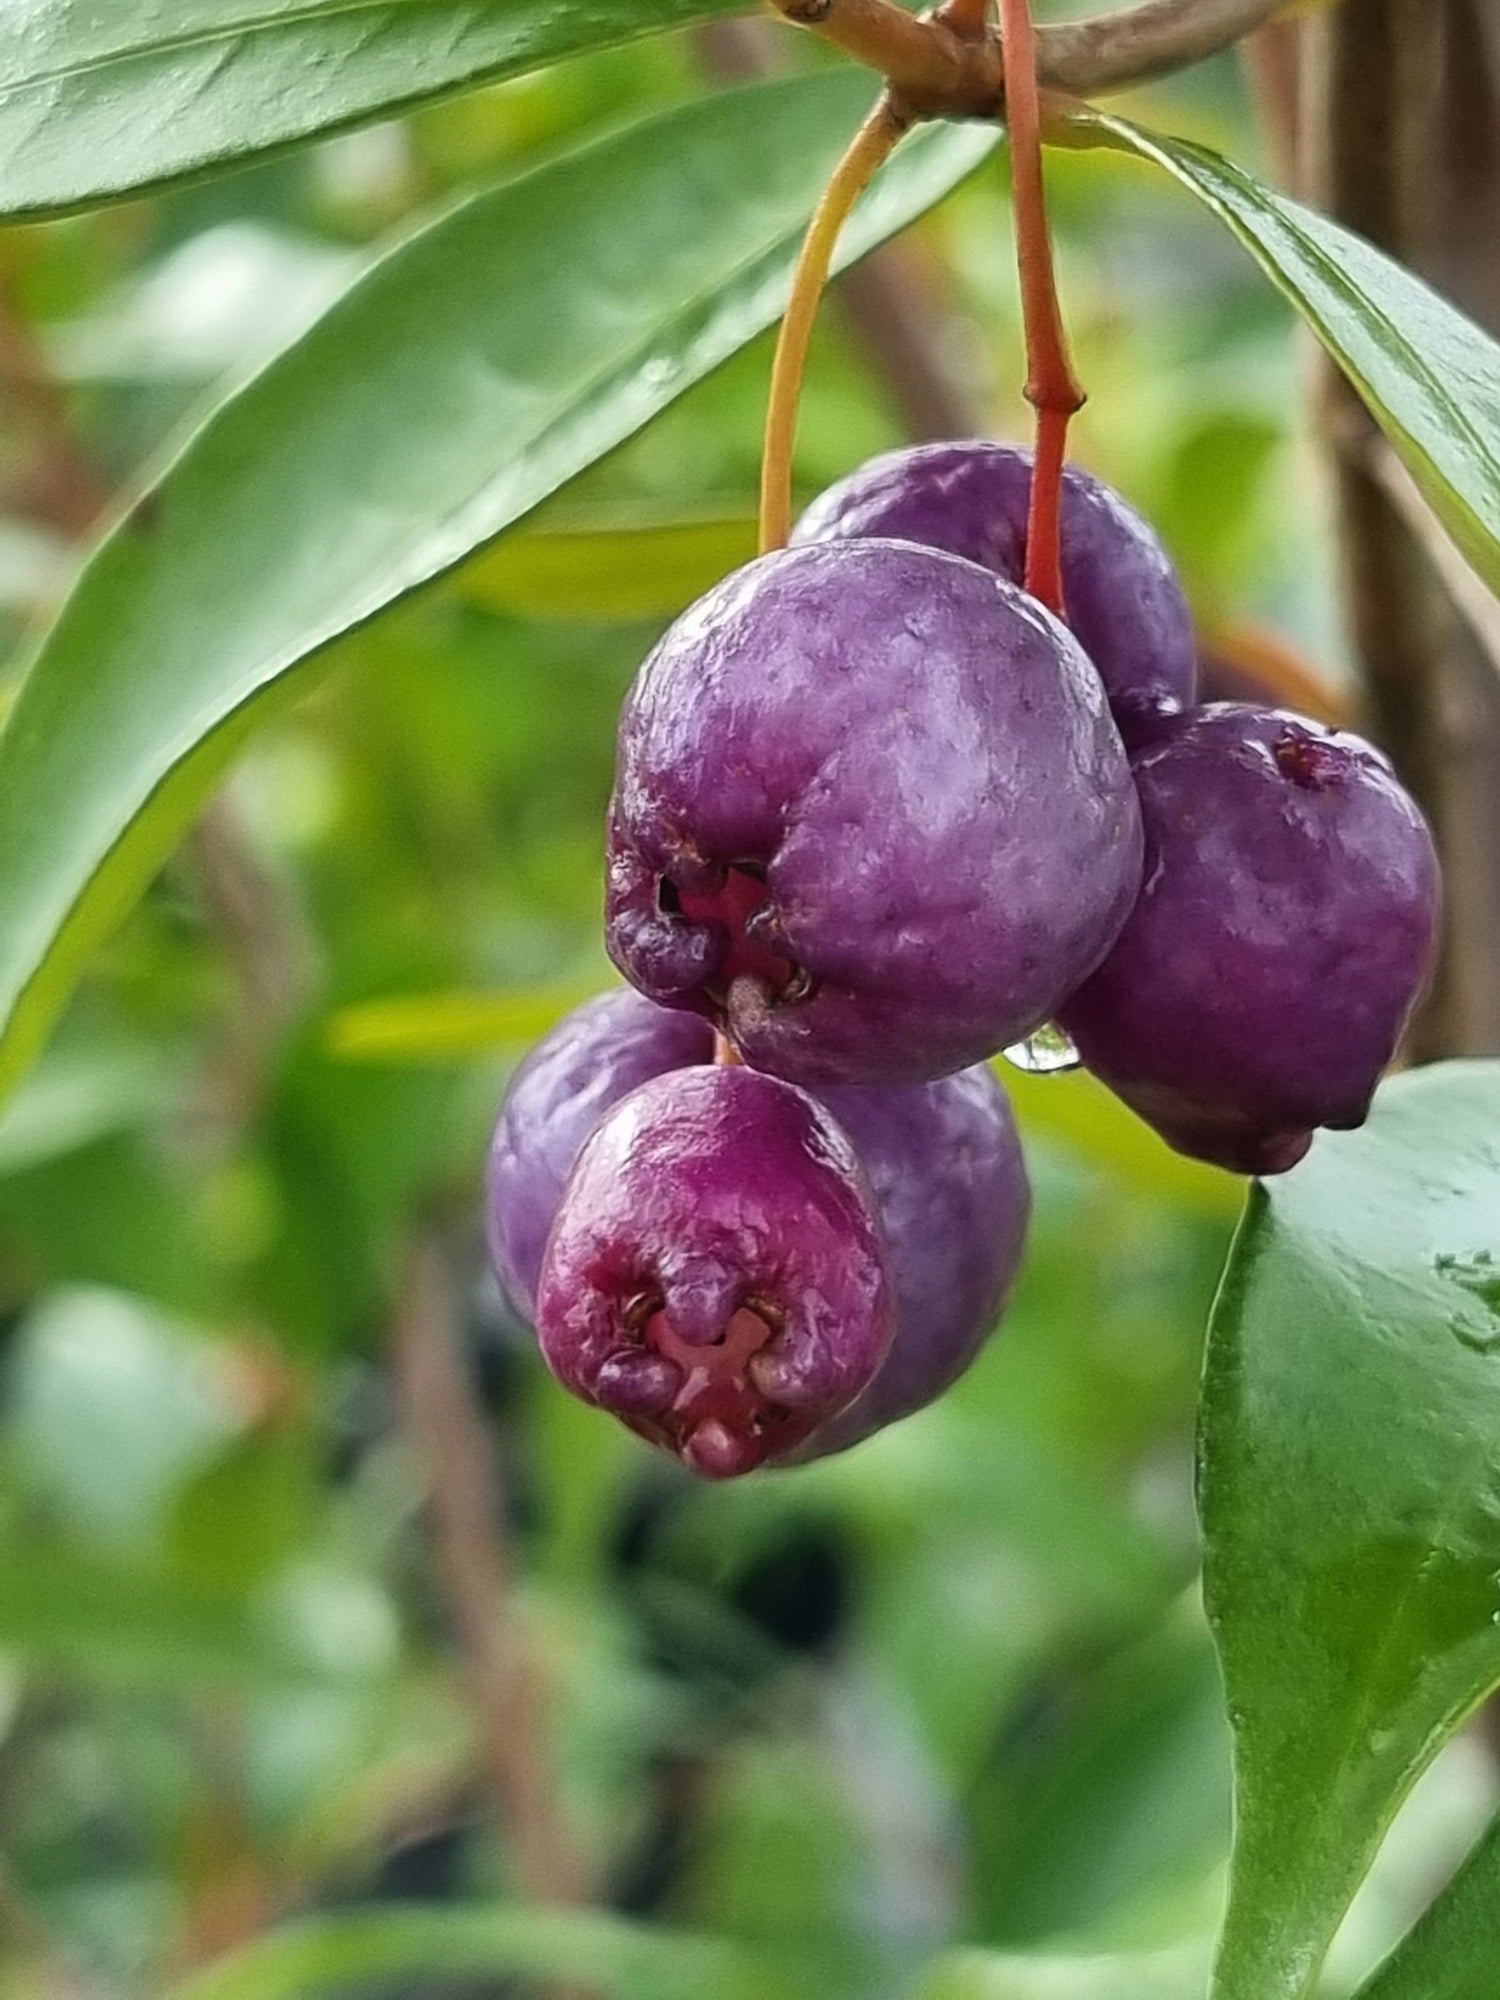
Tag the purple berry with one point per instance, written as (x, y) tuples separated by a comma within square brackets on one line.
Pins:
[(716, 1275), (1120, 591), (942, 1160), (871, 814), (593, 1057), (1283, 934), (944, 1163)]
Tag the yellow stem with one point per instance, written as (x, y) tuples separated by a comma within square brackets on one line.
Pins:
[(872, 143)]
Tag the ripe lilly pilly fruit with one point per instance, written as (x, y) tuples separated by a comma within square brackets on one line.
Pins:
[(942, 1161), (716, 1275), (871, 815), (1284, 932), (595, 1055), (1123, 602)]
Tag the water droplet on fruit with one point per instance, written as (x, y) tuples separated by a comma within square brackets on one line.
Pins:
[(1046, 1053)]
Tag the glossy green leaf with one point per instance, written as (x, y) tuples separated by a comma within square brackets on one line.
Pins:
[(100, 101), (1452, 1953), (1430, 376), (332, 1955), (615, 573), (482, 364), (1350, 1492)]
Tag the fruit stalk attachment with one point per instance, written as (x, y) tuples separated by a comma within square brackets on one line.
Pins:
[(1052, 388), (938, 69), (871, 145)]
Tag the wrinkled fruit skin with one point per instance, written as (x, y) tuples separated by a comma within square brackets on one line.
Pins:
[(716, 1276), (595, 1055), (943, 1163), (871, 814), (1283, 934), (1120, 591)]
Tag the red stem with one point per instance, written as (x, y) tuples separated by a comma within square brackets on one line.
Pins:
[(1051, 386)]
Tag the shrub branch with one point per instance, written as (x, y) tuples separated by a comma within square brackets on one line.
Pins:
[(937, 66)]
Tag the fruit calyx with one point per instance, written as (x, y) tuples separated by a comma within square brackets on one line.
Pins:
[(737, 900), (718, 1417)]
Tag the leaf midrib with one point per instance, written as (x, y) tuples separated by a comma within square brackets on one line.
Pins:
[(248, 27)]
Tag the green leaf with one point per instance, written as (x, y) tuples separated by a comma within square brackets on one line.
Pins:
[(1450, 1955), (330, 1955), (482, 364), (1350, 1494), (995, 1975), (1430, 376), (1114, 1816), (85, 1093), (99, 102), (614, 573), (132, 1624), (437, 1027)]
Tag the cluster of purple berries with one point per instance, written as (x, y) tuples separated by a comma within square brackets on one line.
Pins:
[(878, 815)]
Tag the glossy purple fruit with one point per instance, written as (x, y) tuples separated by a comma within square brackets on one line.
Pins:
[(871, 813), (1284, 931), (1120, 591), (595, 1055), (716, 1275), (942, 1159), (950, 1186)]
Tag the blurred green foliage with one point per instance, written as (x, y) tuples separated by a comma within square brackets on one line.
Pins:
[(953, 1690)]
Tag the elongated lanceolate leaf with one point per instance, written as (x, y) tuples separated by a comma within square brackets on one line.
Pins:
[(1430, 376), (484, 363), (1350, 1487), (102, 100)]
